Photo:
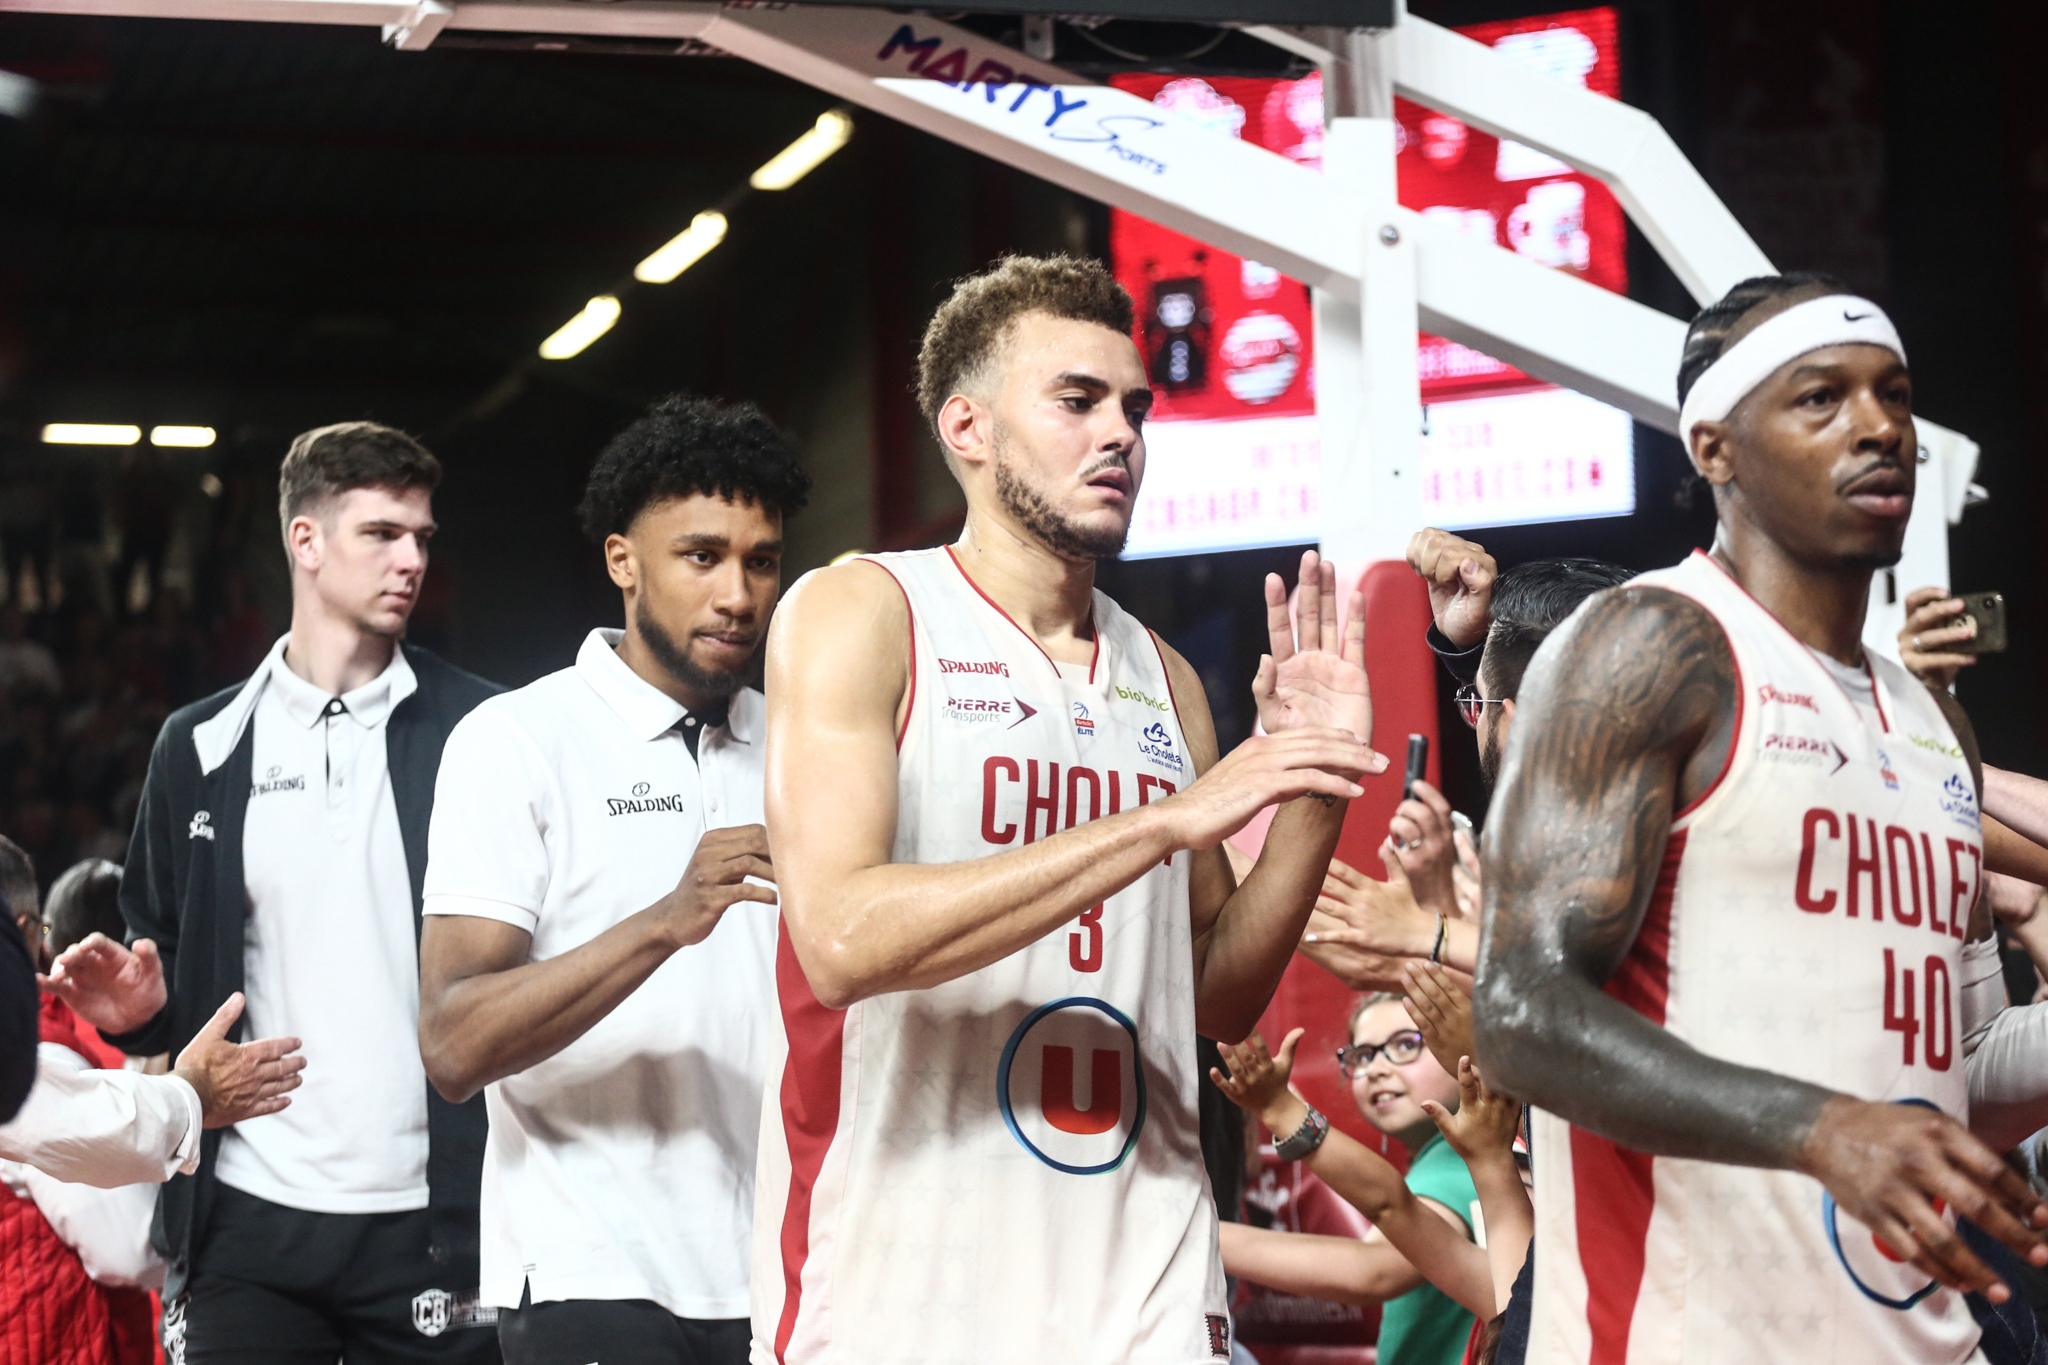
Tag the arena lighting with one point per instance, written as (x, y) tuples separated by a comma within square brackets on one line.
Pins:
[(578, 332), (802, 156), (190, 438), (90, 434), (683, 250)]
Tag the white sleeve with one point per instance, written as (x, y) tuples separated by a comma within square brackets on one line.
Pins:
[(2009, 1078), (1983, 990), (109, 1229), (487, 852), (104, 1128)]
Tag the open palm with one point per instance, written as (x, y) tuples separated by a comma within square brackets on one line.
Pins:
[(1308, 679)]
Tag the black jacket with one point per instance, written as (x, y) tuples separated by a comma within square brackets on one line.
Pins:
[(184, 888)]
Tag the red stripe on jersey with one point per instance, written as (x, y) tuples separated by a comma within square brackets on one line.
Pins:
[(1643, 980), (810, 1115), (910, 619), (1612, 1185), (1614, 1198)]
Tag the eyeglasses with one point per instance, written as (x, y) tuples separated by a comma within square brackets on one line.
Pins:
[(1401, 1049), (1472, 706)]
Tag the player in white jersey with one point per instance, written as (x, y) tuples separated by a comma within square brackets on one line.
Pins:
[(1729, 872), (996, 804)]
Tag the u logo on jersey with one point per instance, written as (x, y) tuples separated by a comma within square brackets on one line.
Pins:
[(1879, 1273), (1072, 1087)]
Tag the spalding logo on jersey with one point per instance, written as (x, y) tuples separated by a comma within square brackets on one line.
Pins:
[(1071, 1087)]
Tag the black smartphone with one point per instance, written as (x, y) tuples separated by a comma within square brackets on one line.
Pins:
[(1418, 764), (1987, 609)]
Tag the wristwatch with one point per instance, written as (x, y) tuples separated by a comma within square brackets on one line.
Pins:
[(1305, 1139)]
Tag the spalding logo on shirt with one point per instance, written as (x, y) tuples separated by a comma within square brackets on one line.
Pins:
[(1071, 1086)]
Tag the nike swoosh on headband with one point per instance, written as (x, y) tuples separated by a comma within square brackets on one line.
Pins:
[(1830, 320)]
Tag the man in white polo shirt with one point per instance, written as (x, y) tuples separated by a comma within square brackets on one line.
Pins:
[(596, 958)]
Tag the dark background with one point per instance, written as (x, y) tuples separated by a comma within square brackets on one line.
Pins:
[(265, 228)]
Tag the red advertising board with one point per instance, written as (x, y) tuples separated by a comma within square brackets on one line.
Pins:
[(1229, 340)]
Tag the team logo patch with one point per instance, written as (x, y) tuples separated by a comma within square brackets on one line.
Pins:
[(1879, 1273), (1157, 745), (1083, 726), (1219, 1334), (434, 1311), (201, 826), (1886, 771), (1071, 1085)]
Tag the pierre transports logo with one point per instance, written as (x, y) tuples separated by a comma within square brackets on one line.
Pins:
[(1143, 699)]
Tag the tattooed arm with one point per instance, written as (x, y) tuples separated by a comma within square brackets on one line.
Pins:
[(1629, 715)]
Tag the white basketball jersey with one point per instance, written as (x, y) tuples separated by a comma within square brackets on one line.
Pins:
[(1006, 1167), (1808, 920)]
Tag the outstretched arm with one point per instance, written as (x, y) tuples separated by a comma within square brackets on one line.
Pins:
[(838, 685), (1631, 714), (1313, 680)]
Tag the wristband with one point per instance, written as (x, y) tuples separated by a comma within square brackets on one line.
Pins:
[(1436, 954), (1305, 1139)]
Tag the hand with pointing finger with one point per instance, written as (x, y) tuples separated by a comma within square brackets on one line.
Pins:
[(238, 1081)]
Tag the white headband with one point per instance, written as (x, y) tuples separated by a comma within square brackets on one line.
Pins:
[(1832, 320)]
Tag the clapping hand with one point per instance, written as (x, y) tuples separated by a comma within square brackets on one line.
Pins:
[(1441, 1010)]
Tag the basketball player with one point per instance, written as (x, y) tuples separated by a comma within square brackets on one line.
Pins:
[(995, 803), (1730, 869)]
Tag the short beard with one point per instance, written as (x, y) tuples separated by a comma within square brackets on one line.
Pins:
[(1047, 526), (1490, 757), (1884, 560), (673, 657)]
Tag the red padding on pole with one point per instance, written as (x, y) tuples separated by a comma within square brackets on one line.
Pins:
[(1403, 673)]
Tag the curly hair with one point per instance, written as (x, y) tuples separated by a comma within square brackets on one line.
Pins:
[(969, 327), (685, 446), (1707, 336)]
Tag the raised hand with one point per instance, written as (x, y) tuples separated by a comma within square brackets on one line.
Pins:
[(1460, 577), (1485, 1123), (1364, 932), (115, 989), (1257, 1082), (1312, 679), (238, 1081), (1423, 838)]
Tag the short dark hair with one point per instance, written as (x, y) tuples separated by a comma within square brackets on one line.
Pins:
[(685, 446), (328, 461), (1707, 335), (85, 900), (1529, 602), (18, 880), (970, 325)]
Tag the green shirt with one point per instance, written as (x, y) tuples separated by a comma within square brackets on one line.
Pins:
[(1426, 1326)]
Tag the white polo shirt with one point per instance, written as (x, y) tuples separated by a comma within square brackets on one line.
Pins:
[(329, 950), (623, 1166)]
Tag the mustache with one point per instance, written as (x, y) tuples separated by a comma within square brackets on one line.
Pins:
[(1122, 462)]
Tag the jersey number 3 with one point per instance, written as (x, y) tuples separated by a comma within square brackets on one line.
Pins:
[(1084, 944)]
